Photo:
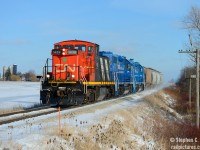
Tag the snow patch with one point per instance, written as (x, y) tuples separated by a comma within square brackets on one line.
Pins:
[(19, 94), (169, 100)]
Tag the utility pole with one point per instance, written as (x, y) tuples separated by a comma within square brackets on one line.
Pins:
[(197, 89), (190, 90), (190, 87), (197, 83), (190, 103)]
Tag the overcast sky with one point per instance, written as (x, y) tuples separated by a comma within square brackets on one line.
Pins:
[(149, 31)]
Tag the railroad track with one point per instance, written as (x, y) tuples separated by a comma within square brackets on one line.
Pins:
[(25, 114), (39, 111), (25, 111)]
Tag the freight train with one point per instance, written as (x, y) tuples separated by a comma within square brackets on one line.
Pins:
[(79, 72)]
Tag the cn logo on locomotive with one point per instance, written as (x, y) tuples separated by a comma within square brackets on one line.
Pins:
[(66, 67)]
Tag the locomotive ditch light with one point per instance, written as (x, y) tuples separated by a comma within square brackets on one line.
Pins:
[(73, 76), (48, 76)]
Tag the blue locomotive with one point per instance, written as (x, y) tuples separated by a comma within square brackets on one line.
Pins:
[(139, 76), (121, 72)]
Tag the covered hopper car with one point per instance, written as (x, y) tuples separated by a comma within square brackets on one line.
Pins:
[(152, 77)]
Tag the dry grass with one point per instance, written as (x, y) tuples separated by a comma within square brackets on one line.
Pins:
[(98, 137), (165, 129), (174, 92), (182, 100), (119, 130), (182, 104)]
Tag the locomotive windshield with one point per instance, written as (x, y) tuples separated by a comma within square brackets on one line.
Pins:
[(57, 46), (80, 47), (68, 46), (90, 48)]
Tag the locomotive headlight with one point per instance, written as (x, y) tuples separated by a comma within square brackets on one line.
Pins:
[(63, 53), (63, 49), (73, 76), (48, 76)]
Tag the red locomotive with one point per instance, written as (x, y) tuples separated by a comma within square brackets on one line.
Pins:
[(74, 60), (73, 77)]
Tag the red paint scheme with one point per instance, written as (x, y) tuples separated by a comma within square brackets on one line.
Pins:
[(67, 65)]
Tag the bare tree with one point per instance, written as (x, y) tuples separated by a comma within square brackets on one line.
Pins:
[(30, 76), (191, 22), (14, 77)]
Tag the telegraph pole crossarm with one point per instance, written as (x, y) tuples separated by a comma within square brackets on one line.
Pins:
[(187, 51)]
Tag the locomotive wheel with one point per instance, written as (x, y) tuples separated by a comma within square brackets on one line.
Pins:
[(89, 98), (137, 88), (142, 87)]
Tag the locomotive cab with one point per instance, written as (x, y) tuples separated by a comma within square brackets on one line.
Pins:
[(73, 66), (74, 61), (139, 77)]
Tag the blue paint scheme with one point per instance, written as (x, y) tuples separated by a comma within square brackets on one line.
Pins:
[(139, 74), (121, 70)]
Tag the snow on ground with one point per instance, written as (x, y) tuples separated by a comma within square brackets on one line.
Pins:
[(169, 100), (113, 124), (18, 94)]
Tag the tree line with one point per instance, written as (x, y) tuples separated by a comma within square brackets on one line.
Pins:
[(191, 22), (28, 76)]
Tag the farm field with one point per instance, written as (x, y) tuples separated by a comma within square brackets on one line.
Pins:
[(16, 95)]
